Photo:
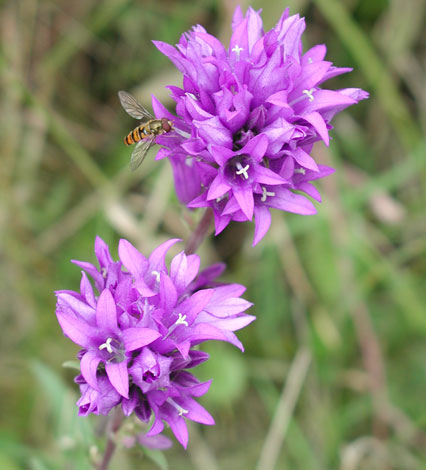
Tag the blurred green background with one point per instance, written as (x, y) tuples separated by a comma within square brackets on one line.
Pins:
[(334, 373)]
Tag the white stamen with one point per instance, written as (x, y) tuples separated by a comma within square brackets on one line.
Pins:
[(104, 272), (242, 171), (106, 345), (218, 199), (237, 49), (302, 171), (180, 321), (309, 60), (157, 275), (309, 94), (266, 193), (179, 409), (191, 95)]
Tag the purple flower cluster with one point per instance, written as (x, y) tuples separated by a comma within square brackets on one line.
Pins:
[(138, 336), (247, 119)]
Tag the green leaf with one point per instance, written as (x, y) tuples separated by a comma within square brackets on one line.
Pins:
[(157, 457)]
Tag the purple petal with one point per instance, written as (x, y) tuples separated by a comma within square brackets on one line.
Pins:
[(106, 312), (157, 258), (156, 428), (335, 72), (318, 123), (279, 99), (179, 429), (89, 365), (187, 178), (193, 268), (311, 75), (193, 146), (231, 206), (239, 40), (267, 176), (92, 271), (78, 331), (244, 197), (256, 147), (136, 338), (70, 302), (218, 187), (144, 289), (226, 308), (196, 112), (178, 269), (87, 291), (175, 56), (262, 220), (200, 389), (183, 348), (132, 259), (159, 441), (237, 17), (254, 27), (216, 46), (204, 332), (222, 293), (324, 99), (102, 252), (221, 154), (193, 305), (129, 405), (234, 323), (290, 36), (212, 131), (304, 159), (291, 202), (310, 190), (220, 223), (315, 54), (168, 293), (197, 413), (118, 376), (183, 270)]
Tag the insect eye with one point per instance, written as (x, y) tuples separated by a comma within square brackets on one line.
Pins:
[(166, 126)]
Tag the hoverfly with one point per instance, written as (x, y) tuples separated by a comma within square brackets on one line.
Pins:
[(144, 134)]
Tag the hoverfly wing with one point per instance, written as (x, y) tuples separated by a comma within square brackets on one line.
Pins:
[(132, 106), (140, 151)]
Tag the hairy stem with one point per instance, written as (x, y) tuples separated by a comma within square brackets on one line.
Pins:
[(115, 424), (200, 232)]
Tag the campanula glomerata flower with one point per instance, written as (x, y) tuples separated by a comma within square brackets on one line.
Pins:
[(138, 335), (247, 117)]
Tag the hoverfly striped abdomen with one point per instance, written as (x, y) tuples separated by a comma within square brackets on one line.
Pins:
[(133, 137), (144, 135)]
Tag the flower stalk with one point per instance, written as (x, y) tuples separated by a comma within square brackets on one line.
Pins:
[(202, 230), (116, 421)]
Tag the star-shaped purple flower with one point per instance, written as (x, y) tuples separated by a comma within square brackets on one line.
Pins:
[(247, 118), (138, 335)]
